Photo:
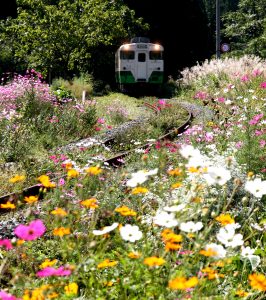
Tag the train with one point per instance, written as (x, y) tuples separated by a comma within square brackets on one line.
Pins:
[(139, 63)]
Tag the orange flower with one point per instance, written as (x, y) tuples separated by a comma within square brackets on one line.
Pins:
[(208, 252), (169, 246), (139, 190), (181, 283), (59, 211), (45, 181), (225, 219), (125, 211), (212, 274), (61, 231), (72, 173), (17, 178), (90, 203), (134, 255), (31, 199), (107, 263), (257, 281), (176, 185), (241, 293), (94, 170), (175, 172), (8, 205), (154, 261)]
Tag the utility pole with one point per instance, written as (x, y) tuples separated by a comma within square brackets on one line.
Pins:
[(218, 31)]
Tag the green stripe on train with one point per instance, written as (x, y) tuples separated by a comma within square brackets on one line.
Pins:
[(156, 77), (124, 77)]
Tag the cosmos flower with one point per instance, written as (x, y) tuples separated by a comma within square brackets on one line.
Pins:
[(190, 226), (257, 282), (6, 243), (50, 271), (256, 187), (31, 232), (217, 175), (227, 236), (163, 218), (214, 250), (130, 233), (105, 230), (5, 296), (140, 177)]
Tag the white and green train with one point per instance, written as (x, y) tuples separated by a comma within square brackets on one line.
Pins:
[(139, 62)]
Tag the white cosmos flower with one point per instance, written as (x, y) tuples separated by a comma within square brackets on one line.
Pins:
[(175, 208), (188, 151), (227, 236), (105, 229), (163, 218), (140, 177), (217, 175), (256, 187), (130, 233), (191, 226), (219, 250), (248, 253)]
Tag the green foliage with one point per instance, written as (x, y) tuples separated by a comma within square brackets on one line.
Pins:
[(247, 28), (55, 37)]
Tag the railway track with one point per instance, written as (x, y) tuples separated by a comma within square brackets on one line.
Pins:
[(115, 161)]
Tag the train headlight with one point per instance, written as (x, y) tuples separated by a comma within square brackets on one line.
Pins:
[(126, 47), (157, 47)]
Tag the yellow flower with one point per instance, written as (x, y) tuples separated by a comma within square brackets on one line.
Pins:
[(108, 283), (61, 231), (107, 263), (72, 173), (169, 246), (71, 289), (45, 181), (181, 283), (90, 203), (17, 178), (125, 211), (134, 255), (48, 263), (193, 170), (8, 205), (154, 261), (212, 274), (68, 165), (59, 211), (241, 293), (225, 219), (31, 199), (175, 172), (257, 281), (52, 295), (94, 170), (176, 185), (139, 190)]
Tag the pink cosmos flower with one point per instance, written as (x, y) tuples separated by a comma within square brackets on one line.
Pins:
[(5, 296), (31, 232), (50, 271), (255, 119), (6, 243), (97, 128), (161, 102), (245, 78), (201, 95), (221, 100), (262, 143), (239, 144), (263, 85), (258, 132), (256, 73), (61, 181), (100, 121)]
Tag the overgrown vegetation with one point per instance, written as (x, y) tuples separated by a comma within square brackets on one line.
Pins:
[(182, 219)]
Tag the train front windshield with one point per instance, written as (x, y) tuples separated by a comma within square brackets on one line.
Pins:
[(156, 55), (127, 55)]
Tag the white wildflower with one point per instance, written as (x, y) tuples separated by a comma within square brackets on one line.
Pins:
[(256, 187), (105, 230), (227, 236), (191, 226), (140, 177), (217, 175), (130, 233), (219, 251), (248, 253), (175, 208), (163, 218)]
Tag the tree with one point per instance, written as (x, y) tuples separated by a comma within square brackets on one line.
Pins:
[(58, 36), (246, 28)]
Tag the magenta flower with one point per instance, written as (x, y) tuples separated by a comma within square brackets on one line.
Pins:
[(5, 296), (256, 73), (245, 78), (50, 271), (31, 232), (262, 143), (100, 121), (201, 95), (221, 100), (6, 243), (263, 85), (61, 181)]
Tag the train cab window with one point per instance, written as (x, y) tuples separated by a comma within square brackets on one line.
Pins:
[(142, 57), (156, 55), (127, 55)]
